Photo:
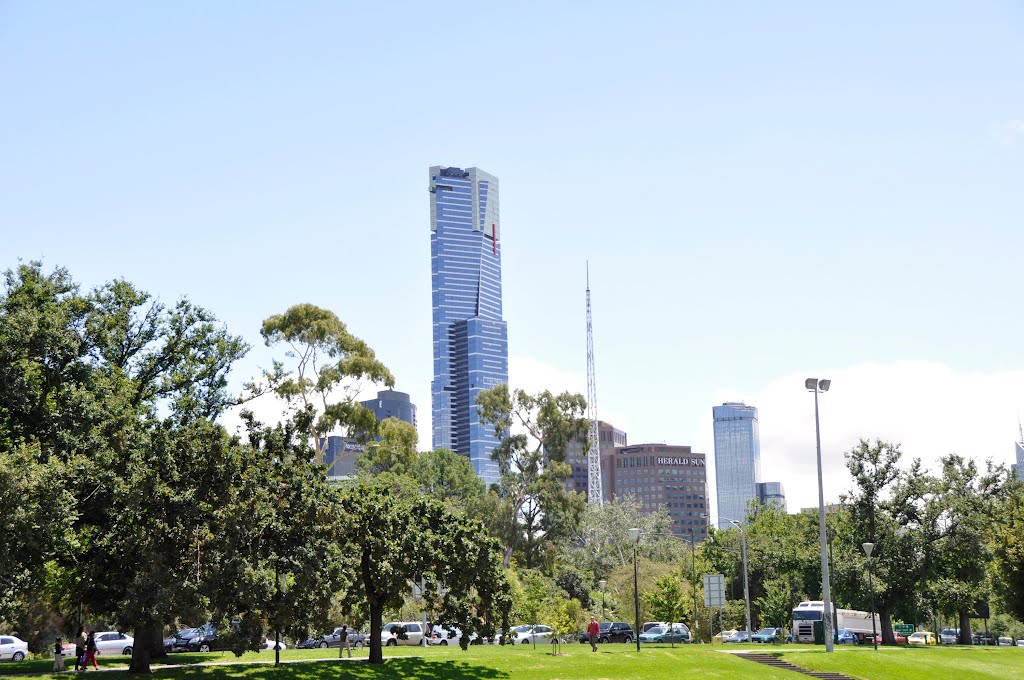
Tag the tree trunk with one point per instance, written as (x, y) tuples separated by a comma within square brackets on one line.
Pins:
[(885, 623), (965, 627), (376, 623), (156, 650), (142, 649)]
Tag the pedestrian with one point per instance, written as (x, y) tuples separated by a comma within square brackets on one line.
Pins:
[(80, 648), (343, 642), (91, 651), (58, 656), (593, 632)]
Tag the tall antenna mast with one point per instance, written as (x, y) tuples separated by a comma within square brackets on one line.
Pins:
[(595, 494)]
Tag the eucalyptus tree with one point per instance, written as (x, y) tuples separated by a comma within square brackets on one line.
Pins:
[(324, 368), (533, 508)]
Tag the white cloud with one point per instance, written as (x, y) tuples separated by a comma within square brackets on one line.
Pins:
[(1008, 131), (929, 408)]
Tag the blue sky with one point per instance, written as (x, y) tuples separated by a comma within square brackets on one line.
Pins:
[(764, 191)]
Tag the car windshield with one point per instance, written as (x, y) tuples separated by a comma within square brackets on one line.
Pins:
[(522, 629), (766, 631), (604, 626), (657, 630)]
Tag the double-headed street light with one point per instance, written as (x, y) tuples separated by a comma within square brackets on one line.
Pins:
[(746, 590), (634, 535), (868, 547), (816, 386)]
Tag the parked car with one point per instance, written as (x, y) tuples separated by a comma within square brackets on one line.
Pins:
[(770, 635), (922, 637), (1004, 642), (845, 636), (332, 639), (269, 644), (13, 648), (206, 639), (651, 624), (1020, 643), (739, 636), (603, 627), (112, 642), (176, 642), (531, 634), (402, 633), (671, 633), (949, 636), (442, 636), (724, 635), (984, 639)]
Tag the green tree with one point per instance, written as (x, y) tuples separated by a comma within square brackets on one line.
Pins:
[(401, 541), (776, 605), (1006, 541), (327, 363), (565, 618), (667, 600), (601, 541), (534, 510)]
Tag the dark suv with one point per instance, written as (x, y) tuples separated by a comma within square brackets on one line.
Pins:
[(617, 632)]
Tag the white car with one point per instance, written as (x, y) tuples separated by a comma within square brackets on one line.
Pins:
[(444, 637), (269, 644), (413, 634), (526, 635), (13, 648), (112, 642)]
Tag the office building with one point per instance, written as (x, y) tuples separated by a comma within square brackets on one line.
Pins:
[(663, 476), (1019, 450), (737, 460), (609, 438), (771, 492), (469, 335), (391, 404)]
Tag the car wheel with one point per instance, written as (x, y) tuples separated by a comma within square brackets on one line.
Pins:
[(443, 643), (204, 648), (323, 645), (526, 642), (127, 651), (628, 639), (18, 656), (392, 643)]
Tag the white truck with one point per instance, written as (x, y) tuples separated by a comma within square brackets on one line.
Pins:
[(807, 613)]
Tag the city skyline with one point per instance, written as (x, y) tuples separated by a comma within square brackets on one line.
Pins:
[(761, 199)]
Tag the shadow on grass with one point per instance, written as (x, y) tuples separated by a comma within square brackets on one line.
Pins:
[(411, 668)]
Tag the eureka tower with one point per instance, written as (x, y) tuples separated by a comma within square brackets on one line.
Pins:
[(470, 337)]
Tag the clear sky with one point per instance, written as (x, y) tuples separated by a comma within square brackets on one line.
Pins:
[(765, 192)]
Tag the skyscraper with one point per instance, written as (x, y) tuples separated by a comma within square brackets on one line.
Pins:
[(1019, 451), (737, 460), (391, 404), (470, 336)]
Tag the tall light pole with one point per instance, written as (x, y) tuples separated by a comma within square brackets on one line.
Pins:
[(693, 577), (816, 386), (602, 583), (746, 590), (868, 547), (634, 535)]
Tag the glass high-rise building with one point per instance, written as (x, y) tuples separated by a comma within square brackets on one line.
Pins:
[(737, 460), (470, 336)]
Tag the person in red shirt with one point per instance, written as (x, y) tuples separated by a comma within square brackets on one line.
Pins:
[(593, 632)]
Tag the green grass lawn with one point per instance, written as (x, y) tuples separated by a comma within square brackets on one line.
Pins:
[(915, 663), (577, 661)]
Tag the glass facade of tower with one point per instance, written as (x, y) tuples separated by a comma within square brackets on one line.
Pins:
[(470, 336), (737, 460), (1019, 467)]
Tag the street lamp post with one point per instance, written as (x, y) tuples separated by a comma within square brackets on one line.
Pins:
[(693, 583), (634, 535), (868, 547), (746, 589), (816, 386), (602, 583)]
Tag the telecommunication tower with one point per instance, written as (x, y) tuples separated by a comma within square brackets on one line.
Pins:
[(594, 491)]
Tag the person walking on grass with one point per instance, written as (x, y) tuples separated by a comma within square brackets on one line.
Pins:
[(91, 651), (343, 643), (80, 648), (593, 632)]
